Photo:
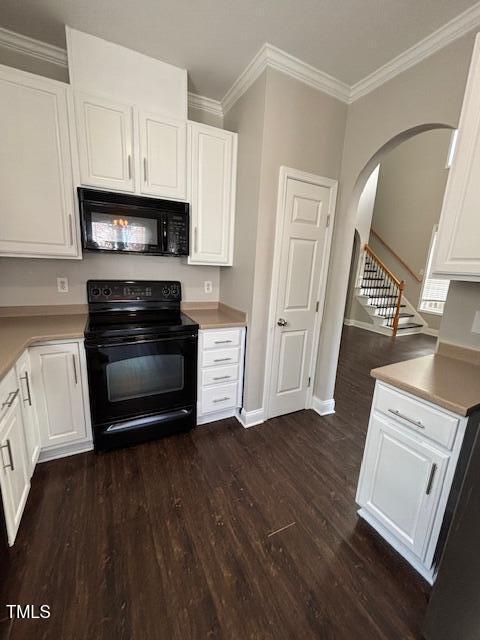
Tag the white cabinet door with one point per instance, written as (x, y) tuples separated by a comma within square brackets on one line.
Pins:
[(163, 149), (105, 142), (29, 410), (212, 157), (458, 242), (400, 483), (36, 184), (14, 473), (57, 384)]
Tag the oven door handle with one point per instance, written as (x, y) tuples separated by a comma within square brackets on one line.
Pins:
[(122, 343)]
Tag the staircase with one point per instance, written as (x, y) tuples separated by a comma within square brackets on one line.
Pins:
[(380, 293)]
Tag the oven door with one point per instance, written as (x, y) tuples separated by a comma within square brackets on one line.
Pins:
[(141, 376)]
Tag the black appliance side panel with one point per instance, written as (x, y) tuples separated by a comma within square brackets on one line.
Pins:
[(454, 607)]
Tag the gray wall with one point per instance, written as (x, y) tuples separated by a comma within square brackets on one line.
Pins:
[(462, 303), (301, 128), (429, 93)]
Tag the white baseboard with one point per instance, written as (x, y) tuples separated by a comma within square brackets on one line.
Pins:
[(251, 418), (63, 451), (213, 417), (430, 332), (375, 328), (323, 407)]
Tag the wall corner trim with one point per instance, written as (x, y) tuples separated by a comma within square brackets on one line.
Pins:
[(205, 104), (323, 407), (32, 47), (250, 418)]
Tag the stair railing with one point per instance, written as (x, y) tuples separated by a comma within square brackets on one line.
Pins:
[(396, 286)]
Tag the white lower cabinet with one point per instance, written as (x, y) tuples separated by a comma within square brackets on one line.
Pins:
[(407, 472), (60, 388), (14, 471), (220, 373)]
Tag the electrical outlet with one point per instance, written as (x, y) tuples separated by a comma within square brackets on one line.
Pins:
[(62, 285), (208, 286), (476, 322)]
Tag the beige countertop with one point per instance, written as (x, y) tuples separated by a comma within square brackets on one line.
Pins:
[(18, 332), (218, 317), (449, 382)]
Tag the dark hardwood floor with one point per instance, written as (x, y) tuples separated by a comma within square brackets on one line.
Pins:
[(222, 533)]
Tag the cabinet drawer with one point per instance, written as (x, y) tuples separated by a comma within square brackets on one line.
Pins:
[(219, 397), (418, 416), (221, 338), (219, 375), (219, 357)]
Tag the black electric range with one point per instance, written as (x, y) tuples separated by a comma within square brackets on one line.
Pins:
[(141, 361)]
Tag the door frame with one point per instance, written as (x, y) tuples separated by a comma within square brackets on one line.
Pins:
[(284, 174)]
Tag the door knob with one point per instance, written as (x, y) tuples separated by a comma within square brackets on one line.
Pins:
[(281, 322)]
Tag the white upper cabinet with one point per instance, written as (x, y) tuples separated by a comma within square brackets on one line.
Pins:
[(163, 156), (458, 246), (37, 204), (212, 157), (105, 142)]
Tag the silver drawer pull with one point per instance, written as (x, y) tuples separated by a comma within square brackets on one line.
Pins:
[(222, 360), (430, 479), (397, 413), (27, 382), (75, 377), (222, 399), (222, 378), (10, 399), (223, 341), (10, 465)]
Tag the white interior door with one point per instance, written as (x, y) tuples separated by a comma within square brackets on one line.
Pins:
[(304, 223)]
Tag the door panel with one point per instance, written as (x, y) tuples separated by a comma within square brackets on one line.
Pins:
[(29, 410), (301, 256), (401, 482), (36, 184), (14, 476), (56, 375), (163, 151), (105, 140)]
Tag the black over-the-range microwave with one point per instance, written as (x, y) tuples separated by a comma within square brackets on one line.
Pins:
[(133, 224)]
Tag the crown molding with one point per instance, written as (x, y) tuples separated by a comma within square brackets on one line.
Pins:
[(275, 58), (34, 48), (456, 28), (205, 104)]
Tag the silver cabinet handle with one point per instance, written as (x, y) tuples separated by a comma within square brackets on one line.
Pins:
[(10, 465), (10, 399), (222, 360), (222, 399), (145, 169), (74, 369), (27, 382), (195, 239), (282, 322), (222, 342), (70, 228), (397, 413), (222, 378), (129, 164), (430, 479)]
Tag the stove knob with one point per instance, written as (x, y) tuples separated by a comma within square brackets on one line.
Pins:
[(107, 291), (95, 291), (165, 291)]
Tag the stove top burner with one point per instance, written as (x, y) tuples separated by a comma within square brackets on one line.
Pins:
[(119, 323)]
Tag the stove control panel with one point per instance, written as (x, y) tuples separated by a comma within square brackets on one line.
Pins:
[(133, 290)]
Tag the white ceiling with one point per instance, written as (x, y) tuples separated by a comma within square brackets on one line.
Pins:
[(216, 39)]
